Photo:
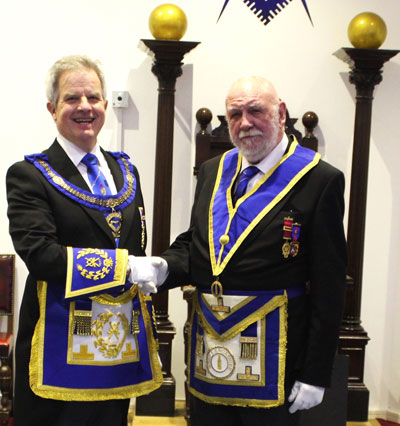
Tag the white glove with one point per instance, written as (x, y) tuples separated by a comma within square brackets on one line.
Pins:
[(150, 272), (147, 288), (305, 396)]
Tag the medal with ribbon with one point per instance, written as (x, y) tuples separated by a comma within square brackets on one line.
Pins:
[(294, 245), (291, 234)]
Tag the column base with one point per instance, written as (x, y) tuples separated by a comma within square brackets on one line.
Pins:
[(357, 403)]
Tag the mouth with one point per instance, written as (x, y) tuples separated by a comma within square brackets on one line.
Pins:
[(83, 120)]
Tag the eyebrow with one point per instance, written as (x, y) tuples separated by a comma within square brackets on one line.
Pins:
[(251, 105), (67, 94)]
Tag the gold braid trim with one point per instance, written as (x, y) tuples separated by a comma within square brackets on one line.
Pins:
[(283, 327), (109, 202), (152, 343), (107, 299), (70, 394), (36, 361), (118, 278), (274, 303), (259, 403), (247, 402), (221, 317)]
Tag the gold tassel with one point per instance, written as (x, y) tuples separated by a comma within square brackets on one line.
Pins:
[(135, 322), (83, 323), (248, 347)]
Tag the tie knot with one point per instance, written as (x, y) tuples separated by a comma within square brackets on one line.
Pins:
[(90, 160), (249, 172), (96, 178), (244, 178)]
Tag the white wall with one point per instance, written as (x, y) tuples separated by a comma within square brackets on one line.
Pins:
[(296, 56)]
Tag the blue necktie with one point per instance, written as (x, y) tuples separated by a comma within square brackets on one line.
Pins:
[(244, 178), (99, 185), (96, 178)]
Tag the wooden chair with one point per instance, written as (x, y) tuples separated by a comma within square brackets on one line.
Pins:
[(7, 274), (209, 145)]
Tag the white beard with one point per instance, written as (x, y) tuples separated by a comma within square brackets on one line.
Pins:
[(254, 151)]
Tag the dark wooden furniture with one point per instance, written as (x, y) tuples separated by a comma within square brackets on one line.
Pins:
[(209, 145), (167, 67), (366, 72), (7, 273)]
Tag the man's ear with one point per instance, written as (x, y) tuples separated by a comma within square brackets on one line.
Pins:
[(282, 113), (52, 110), (105, 104)]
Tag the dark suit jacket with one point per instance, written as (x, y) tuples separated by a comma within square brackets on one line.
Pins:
[(43, 222), (317, 203)]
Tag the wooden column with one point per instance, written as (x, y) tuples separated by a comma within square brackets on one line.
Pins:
[(167, 67), (365, 73)]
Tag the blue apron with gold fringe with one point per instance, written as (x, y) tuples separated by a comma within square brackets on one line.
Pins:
[(93, 349), (237, 354)]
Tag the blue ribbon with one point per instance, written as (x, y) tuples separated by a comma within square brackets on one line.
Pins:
[(251, 207)]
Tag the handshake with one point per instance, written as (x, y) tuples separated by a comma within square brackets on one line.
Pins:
[(147, 272)]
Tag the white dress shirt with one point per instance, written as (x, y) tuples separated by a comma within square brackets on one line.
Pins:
[(76, 154)]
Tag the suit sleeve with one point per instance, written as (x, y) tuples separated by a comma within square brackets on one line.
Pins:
[(178, 254), (328, 260), (33, 227)]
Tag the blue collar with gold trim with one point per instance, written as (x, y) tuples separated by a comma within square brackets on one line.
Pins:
[(229, 225), (104, 203)]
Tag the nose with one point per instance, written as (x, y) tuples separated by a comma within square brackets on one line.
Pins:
[(245, 122), (84, 104)]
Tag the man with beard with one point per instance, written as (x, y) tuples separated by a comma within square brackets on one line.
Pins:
[(267, 253)]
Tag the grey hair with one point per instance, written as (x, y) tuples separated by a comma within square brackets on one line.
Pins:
[(71, 63)]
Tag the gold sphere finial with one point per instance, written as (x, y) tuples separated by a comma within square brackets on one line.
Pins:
[(167, 22), (367, 30)]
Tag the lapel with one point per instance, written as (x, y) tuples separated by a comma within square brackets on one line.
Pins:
[(115, 169), (62, 164), (267, 219)]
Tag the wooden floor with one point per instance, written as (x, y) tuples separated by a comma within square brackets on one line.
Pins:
[(156, 421), (179, 420), (371, 422)]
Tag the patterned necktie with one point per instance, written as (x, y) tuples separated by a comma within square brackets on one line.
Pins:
[(96, 178), (99, 185), (244, 178)]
